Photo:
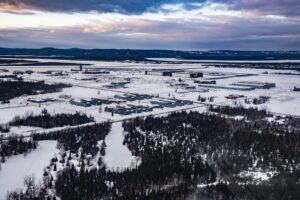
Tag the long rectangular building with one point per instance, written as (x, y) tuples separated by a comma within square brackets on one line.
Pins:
[(255, 84)]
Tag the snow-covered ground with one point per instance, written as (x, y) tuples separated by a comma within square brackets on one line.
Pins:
[(17, 167), (117, 155)]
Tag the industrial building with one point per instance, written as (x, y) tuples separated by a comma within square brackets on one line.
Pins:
[(190, 87), (65, 96), (116, 85), (188, 74), (87, 78), (172, 103), (196, 75), (95, 71), (133, 97), (234, 96), (241, 88), (59, 73), (18, 72), (77, 70), (36, 100), (255, 84), (159, 73), (81, 102), (206, 82), (180, 85), (100, 101), (41, 100), (130, 109), (92, 102)]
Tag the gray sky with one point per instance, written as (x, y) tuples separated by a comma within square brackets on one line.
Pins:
[(156, 24)]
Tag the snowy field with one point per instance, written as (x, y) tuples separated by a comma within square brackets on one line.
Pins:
[(17, 167)]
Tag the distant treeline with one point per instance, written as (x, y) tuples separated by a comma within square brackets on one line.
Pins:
[(8, 61), (45, 120), (12, 89), (14, 61), (126, 54), (278, 66)]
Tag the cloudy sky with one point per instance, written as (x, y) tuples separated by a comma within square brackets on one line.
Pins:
[(151, 24)]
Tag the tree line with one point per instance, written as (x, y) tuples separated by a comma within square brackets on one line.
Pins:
[(75, 138), (15, 146), (45, 120), (251, 113), (12, 89)]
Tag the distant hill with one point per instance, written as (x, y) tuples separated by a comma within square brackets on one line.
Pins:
[(139, 55)]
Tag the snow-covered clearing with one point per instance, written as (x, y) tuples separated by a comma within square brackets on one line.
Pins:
[(17, 167), (117, 155)]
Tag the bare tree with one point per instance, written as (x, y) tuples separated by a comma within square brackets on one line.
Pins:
[(31, 189)]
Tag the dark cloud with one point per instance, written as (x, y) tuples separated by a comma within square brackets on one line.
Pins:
[(123, 6), (274, 7)]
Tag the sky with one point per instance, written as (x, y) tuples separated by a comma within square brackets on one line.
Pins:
[(151, 24)]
